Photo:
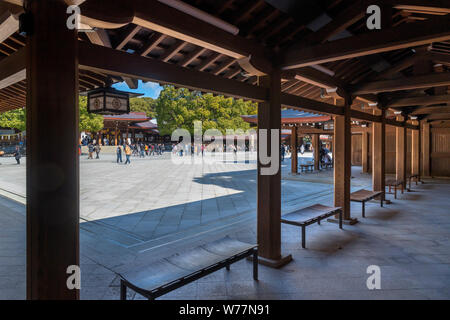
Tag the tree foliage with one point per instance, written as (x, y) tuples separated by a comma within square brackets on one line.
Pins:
[(144, 104), (179, 108), (14, 119), (89, 122)]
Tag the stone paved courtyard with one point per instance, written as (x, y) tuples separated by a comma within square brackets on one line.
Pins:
[(134, 215)]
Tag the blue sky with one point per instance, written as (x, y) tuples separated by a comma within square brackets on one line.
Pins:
[(149, 89)]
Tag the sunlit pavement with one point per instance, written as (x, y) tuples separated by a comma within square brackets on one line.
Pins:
[(138, 213)]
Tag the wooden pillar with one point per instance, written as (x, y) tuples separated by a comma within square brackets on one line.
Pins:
[(316, 150), (400, 154), (415, 150), (378, 152), (269, 186), (365, 152), (294, 147), (425, 139), (342, 161), (52, 156)]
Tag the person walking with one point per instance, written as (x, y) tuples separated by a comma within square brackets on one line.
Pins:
[(283, 152), (17, 155), (90, 150), (119, 154), (97, 150), (127, 154)]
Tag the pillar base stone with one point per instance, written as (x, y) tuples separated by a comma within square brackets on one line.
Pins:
[(348, 222), (274, 263)]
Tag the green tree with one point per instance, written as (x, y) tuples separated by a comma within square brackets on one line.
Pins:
[(179, 108), (89, 122), (144, 104), (14, 119)]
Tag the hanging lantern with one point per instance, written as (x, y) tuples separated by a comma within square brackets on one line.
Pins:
[(108, 101)]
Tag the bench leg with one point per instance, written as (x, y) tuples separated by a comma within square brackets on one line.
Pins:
[(318, 221), (395, 192), (255, 265), (123, 290), (340, 219), (227, 267), (363, 209), (402, 188), (381, 201), (303, 237)]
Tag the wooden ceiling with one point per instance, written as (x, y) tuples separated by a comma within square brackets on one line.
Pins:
[(374, 75)]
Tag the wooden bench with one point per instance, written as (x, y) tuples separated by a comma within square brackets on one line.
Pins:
[(365, 195), (394, 183), (416, 177), (306, 167), (168, 274), (309, 215)]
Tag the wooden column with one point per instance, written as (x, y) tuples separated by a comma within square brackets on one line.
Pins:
[(415, 150), (52, 156), (294, 147), (316, 149), (378, 152), (342, 162), (400, 154), (365, 152), (425, 127), (269, 186)]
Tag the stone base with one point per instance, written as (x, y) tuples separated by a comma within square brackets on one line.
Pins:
[(273, 263), (348, 222)]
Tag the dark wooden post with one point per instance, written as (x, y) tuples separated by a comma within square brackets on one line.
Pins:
[(52, 155), (379, 152), (316, 148), (400, 154), (342, 162), (415, 150), (425, 127), (365, 151), (269, 186), (294, 147)]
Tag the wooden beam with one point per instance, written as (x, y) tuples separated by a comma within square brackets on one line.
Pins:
[(432, 110), (409, 83), (191, 56), (12, 68), (430, 6), (401, 37), (128, 36), (102, 59), (162, 18), (345, 19), (360, 115), (314, 77), (9, 24), (418, 101), (300, 103), (53, 202)]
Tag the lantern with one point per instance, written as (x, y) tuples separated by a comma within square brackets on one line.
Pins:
[(108, 101)]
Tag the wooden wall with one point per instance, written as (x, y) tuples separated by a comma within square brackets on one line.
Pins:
[(356, 149), (440, 152)]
